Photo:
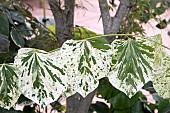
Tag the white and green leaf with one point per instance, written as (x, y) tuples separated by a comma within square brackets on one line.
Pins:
[(132, 65), (161, 69), (9, 92), (42, 80), (85, 62), (161, 80)]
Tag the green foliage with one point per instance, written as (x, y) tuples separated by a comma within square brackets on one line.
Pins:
[(18, 26), (118, 99), (141, 11), (2, 110), (121, 103), (99, 107), (82, 33), (17, 38), (78, 33)]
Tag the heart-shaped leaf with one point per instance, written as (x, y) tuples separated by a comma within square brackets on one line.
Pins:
[(85, 64), (42, 80), (9, 92), (162, 69), (133, 66), (17, 38)]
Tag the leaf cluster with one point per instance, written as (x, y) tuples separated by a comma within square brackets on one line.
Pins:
[(141, 11), (19, 28)]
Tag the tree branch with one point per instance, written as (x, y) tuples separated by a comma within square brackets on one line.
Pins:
[(105, 14), (111, 25), (120, 14), (64, 18)]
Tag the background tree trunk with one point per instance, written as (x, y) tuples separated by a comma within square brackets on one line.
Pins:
[(64, 19), (77, 104), (111, 25)]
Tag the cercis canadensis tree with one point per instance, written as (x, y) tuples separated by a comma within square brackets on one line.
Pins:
[(75, 69)]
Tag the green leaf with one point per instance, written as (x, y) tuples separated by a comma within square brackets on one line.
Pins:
[(2, 110), (16, 16), (117, 98), (161, 68), (164, 106), (24, 30), (99, 107), (4, 44), (162, 77), (8, 85), (7, 3), (121, 101), (133, 67), (135, 108), (99, 43), (85, 65), (162, 24), (42, 80), (106, 89), (4, 29), (17, 38), (82, 33)]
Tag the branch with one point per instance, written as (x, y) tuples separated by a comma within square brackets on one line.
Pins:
[(120, 14), (111, 25), (54, 5), (105, 14), (64, 18)]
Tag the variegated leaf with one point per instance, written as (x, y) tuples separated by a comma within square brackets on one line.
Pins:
[(9, 92), (132, 65), (161, 80), (42, 80), (161, 69), (85, 61)]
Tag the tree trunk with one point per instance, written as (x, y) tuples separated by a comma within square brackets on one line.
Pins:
[(64, 19), (111, 25), (77, 104)]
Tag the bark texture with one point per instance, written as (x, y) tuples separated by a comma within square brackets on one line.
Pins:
[(64, 18), (111, 25), (77, 104)]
